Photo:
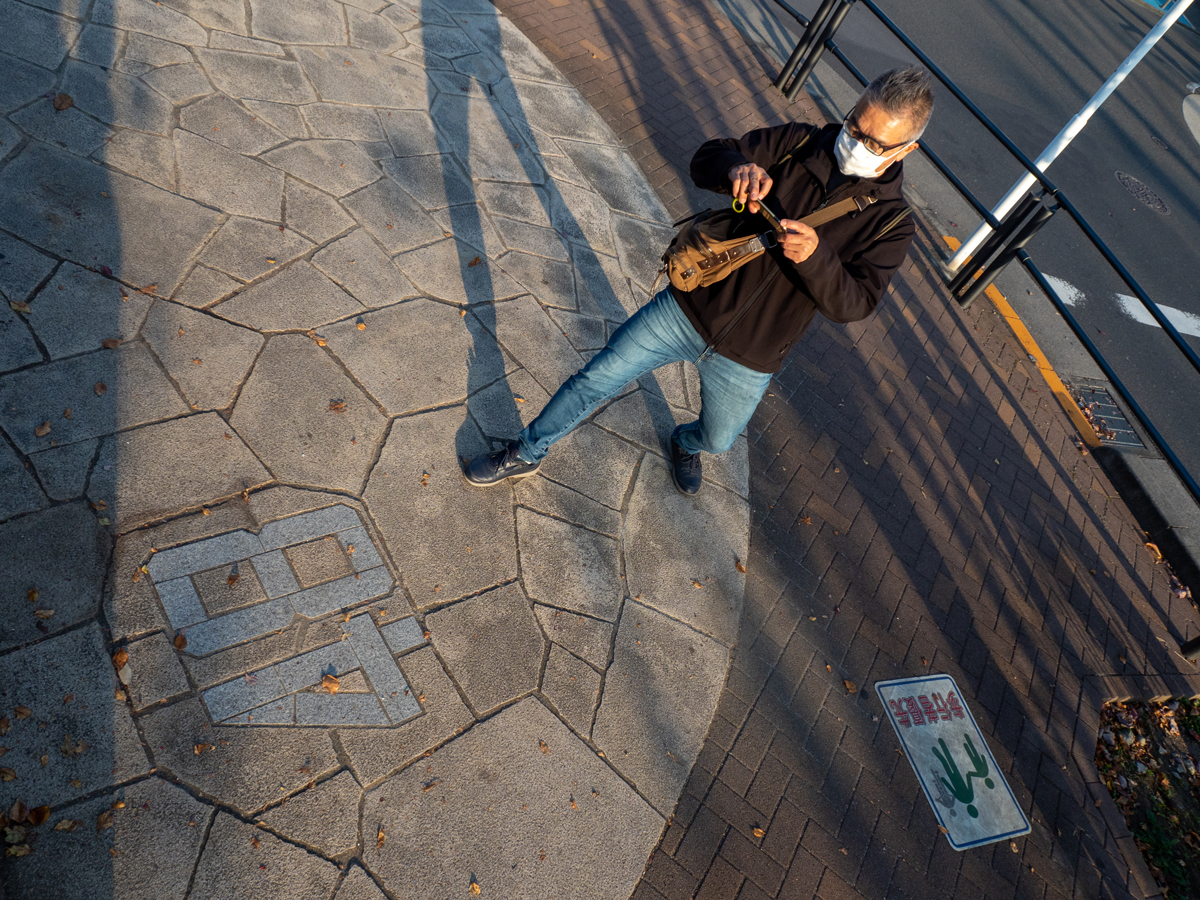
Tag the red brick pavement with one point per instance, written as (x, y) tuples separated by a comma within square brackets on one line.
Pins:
[(917, 506)]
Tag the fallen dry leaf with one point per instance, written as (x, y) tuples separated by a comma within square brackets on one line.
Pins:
[(67, 413), (62, 102), (740, 566), (110, 343), (71, 747), (7, 774), (18, 850), (234, 576), (696, 584), (18, 811), (43, 429), (473, 263), (38, 815), (426, 788), (337, 406), (1155, 552), (43, 613), (758, 832), (200, 748), (45, 760), (14, 834), (4, 725), (180, 641), (851, 687), (100, 388), (120, 658), (542, 746), (68, 825), (255, 842), (19, 306), (76, 783), (330, 683), (360, 324), (31, 595), (22, 712), (943, 829), (118, 804), (473, 888), (380, 838), (104, 820)]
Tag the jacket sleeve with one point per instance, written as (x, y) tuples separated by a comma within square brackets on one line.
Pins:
[(848, 291), (763, 146)]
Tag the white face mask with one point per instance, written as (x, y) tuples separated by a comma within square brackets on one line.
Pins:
[(854, 158)]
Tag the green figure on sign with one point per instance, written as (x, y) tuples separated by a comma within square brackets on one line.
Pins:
[(961, 788)]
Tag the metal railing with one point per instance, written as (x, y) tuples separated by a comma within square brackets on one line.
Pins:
[(1010, 234)]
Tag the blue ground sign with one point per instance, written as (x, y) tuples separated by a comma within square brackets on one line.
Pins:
[(960, 778)]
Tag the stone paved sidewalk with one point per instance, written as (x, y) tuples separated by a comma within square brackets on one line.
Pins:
[(917, 506), (269, 270)]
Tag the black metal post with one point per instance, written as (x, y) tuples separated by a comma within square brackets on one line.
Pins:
[(805, 42), (818, 48), (1040, 217), (995, 243)]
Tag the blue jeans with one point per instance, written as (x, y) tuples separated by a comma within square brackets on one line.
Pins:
[(656, 335)]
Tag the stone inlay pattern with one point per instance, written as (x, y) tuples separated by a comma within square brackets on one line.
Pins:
[(266, 278)]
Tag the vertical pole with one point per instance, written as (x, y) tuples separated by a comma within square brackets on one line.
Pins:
[(805, 42), (818, 48), (1068, 133)]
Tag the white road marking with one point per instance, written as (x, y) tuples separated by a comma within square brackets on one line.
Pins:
[(1184, 322)]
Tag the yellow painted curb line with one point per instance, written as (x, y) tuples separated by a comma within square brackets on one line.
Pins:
[(1057, 388)]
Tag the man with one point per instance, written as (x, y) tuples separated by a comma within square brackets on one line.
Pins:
[(739, 330)]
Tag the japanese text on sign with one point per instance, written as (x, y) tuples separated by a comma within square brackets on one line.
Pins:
[(926, 709)]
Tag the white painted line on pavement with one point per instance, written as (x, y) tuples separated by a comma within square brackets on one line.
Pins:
[(1185, 322)]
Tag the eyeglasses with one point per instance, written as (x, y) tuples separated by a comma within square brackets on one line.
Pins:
[(850, 123)]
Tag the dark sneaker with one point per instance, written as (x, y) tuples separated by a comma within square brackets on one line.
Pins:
[(685, 469), (492, 468)]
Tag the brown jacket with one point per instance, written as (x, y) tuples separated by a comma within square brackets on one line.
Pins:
[(844, 278)]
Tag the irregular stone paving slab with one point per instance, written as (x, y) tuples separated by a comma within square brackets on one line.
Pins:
[(313, 213), (247, 249), (144, 156), (491, 644), (429, 527), (561, 111), (324, 816), (602, 288), (442, 41), (337, 167), (370, 32), (341, 122), (472, 229), (289, 413), (21, 492), (357, 885), (436, 181), (519, 56), (506, 406), (411, 133), (584, 332), (531, 239), (36, 677), (392, 215), (642, 418), (367, 273), (221, 40), (638, 247), (179, 84), (584, 217), (73, 131), (63, 471), (153, 471), (156, 672), (207, 357), (618, 179), (550, 281), (22, 268), (595, 463), (519, 801), (662, 672), (59, 553), (589, 639), (266, 762), (78, 305), (229, 181), (135, 392), (224, 15), (17, 347), (417, 355), (116, 98), (549, 497), (445, 270), (573, 687), (516, 201), (37, 35), (532, 338), (229, 867), (674, 542), (72, 206), (148, 853), (298, 297), (375, 753), (226, 123), (255, 77), (480, 135), (369, 80), (569, 567), (147, 18), (298, 22)]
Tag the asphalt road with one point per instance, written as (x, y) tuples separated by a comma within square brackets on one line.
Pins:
[(1031, 66)]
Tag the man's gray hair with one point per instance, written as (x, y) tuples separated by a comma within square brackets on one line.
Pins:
[(904, 94)]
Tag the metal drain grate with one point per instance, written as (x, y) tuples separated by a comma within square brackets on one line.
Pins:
[(1099, 408), (1143, 193)]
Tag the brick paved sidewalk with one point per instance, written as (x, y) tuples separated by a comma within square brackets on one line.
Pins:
[(917, 506)]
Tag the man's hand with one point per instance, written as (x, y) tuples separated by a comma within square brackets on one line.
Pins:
[(800, 241), (750, 184)]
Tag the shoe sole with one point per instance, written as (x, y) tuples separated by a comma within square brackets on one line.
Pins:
[(498, 480)]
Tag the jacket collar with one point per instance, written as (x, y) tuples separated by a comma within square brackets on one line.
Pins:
[(822, 163)]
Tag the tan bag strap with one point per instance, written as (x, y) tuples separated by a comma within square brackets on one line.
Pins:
[(829, 213)]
